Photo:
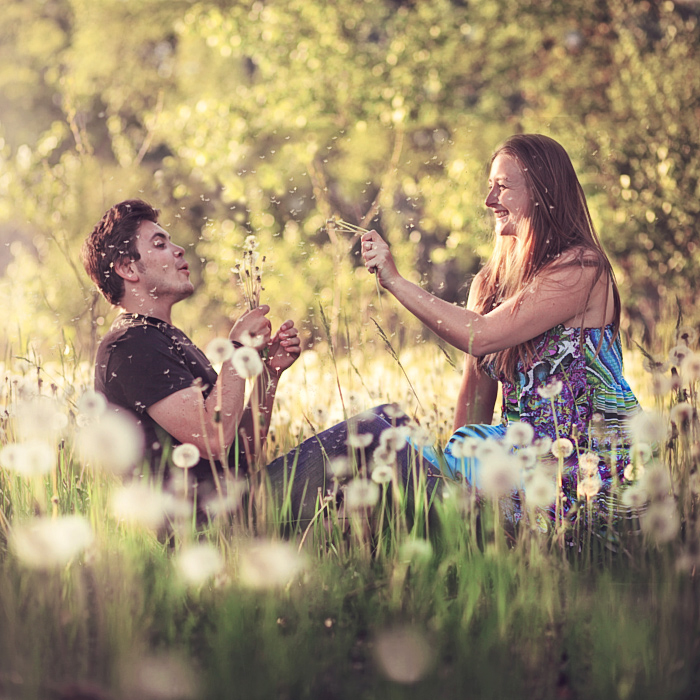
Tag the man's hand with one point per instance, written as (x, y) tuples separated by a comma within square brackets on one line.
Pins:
[(252, 324), (285, 348)]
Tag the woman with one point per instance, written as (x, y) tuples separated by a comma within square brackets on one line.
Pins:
[(542, 318)]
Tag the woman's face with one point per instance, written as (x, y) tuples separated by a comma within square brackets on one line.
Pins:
[(508, 194)]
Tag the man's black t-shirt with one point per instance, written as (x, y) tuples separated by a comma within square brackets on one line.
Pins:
[(143, 360)]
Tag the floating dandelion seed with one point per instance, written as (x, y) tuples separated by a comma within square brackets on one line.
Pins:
[(562, 448), (219, 350), (196, 564), (519, 434), (361, 494), (45, 543), (415, 551), (382, 474), (92, 404), (360, 440), (550, 390), (499, 476), (247, 362), (677, 354), (270, 564), (661, 521), (540, 489), (403, 655), (185, 456), (690, 367), (114, 442), (139, 504)]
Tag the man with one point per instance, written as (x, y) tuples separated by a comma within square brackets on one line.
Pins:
[(150, 368)]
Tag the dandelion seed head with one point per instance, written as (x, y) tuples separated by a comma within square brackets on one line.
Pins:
[(382, 474), (641, 453), (229, 501), (198, 563), (687, 335), (420, 435), (588, 464), (361, 494), (186, 455), (540, 489), (551, 389), (648, 426), (359, 440), (634, 471), (527, 457), (394, 410), (139, 504), (114, 442), (661, 521), (661, 384), (92, 404), (394, 438), (543, 445), (247, 362), (415, 551), (634, 497), (499, 476), (269, 564), (45, 543), (40, 419), (656, 482), (403, 655), (682, 414), (519, 434), (340, 468), (654, 365), (677, 354), (562, 448), (28, 459), (488, 450), (690, 367), (218, 351), (589, 486), (252, 340), (159, 677)]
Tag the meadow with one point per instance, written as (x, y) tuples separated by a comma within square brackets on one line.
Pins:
[(109, 589)]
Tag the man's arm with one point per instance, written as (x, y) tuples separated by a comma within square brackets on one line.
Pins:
[(211, 424)]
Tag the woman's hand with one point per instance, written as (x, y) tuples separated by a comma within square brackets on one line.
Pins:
[(285, 348), (378, 259)]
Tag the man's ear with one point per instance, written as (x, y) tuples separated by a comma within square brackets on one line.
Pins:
[(126, 268)]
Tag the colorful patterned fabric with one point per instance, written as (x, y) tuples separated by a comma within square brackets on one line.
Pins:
[(592, 385)]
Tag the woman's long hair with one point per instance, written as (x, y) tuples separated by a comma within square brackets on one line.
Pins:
[(558, 221)]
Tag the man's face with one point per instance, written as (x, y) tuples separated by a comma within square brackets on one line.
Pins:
[(163, 271)]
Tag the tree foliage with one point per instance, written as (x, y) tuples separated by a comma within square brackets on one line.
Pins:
[(270, 117)]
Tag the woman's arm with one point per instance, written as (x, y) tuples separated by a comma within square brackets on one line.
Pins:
[(477, 396), (558, 295)]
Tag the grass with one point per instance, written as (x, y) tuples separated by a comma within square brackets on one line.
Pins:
[(339, 611)]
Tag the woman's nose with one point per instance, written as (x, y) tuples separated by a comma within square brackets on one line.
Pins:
[(491, 199)]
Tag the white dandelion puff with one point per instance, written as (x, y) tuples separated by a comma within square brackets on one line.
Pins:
[(527, 457), (654, 365), (113, 443), (656, 482), (543, 445), (394, 410), (218, 351), (159, 677), (270, 564), (519, 434), (359, 440), (661, 521), (196, 564), (252, 340), (40, 419), (687, 335), (340, 468), (92, 404), (28, 459), (634, 497), (382, 474), (634, 471), (648, 426), (499, 476), (682, 414), (677, 354), (551, 389), (420, 435), (588, 464), (661, 384), (186, 455), (361, 494), (488, 450), (45, 543), (415, 551), (540, 489), (690, 368), (589, 486), (247, 362), (641, 452), (394, 438), (139, 504), (562, 448), (403, 655)]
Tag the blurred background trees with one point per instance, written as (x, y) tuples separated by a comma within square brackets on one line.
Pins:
[(269, 117)]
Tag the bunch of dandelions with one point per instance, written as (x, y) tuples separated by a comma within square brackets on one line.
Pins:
[(249, 272)]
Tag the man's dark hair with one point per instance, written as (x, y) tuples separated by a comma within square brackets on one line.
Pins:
[(113, 240)]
